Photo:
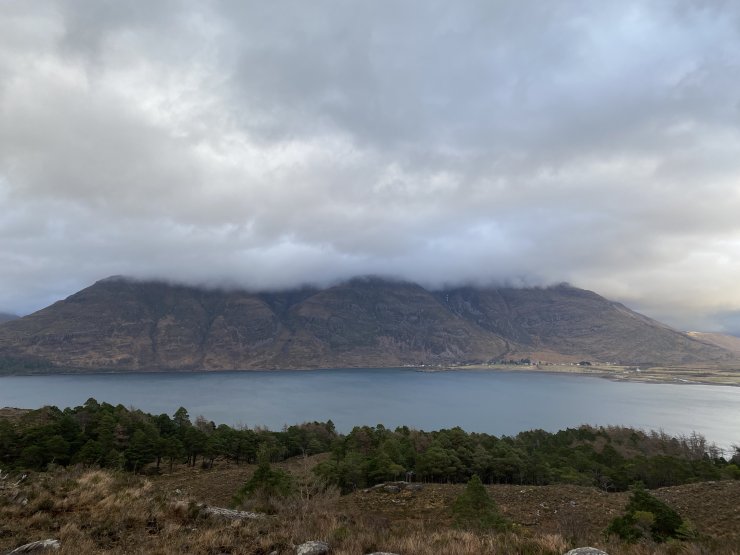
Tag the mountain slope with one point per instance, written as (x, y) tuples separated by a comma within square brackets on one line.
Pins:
[(728, 342), (576, 322), (377, 322), (129, 325)]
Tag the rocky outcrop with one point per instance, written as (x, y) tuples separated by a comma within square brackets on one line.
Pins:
[(229, 514), (586, 551), (312, 548), (11, 490), (395, 487)]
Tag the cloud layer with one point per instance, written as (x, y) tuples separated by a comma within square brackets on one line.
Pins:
[(272, 144)]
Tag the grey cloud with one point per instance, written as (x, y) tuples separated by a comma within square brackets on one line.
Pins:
[(273, 144)]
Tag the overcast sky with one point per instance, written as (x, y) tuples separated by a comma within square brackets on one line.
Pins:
[(267, 144)]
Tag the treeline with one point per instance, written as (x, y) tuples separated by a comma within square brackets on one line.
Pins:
[(110, 436), (613, 458), (610, 458)]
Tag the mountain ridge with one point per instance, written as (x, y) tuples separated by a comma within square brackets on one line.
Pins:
[(7, 317), (124, 324)]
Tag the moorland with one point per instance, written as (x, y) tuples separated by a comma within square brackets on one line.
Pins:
[(107, 479)]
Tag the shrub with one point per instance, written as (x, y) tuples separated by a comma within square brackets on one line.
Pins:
[(266, 483), (646, 516), (475, 510)]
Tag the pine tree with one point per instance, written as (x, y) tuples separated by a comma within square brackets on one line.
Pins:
[(647, 516), (266, 483), (475, 510)]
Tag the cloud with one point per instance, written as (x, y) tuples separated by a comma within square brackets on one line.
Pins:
[(268, 145)]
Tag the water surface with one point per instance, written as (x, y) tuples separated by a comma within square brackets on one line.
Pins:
[(492, 402)]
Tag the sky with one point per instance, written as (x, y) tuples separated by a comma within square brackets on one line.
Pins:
[(270, 144)]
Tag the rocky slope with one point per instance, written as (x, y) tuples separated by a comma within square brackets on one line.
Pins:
[(129, 325)]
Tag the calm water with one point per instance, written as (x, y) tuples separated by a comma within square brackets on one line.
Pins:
[(497, 403)]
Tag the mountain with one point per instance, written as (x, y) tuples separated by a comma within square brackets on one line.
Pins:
[(576, 322), (121, 324), (728, 342), (5, 317)]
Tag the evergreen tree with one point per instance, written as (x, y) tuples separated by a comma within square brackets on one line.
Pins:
[(646, 516), (141, 450), (475, 510), (91, 453), (265, 484)]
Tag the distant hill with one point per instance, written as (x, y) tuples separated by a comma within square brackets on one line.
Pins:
[(366, 322), (5, 317), (729, 342)]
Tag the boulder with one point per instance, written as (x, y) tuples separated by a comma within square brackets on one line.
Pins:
[(586, 551), (394, 487), (35, 547), (312, 548), (229, 514), (376, 487)]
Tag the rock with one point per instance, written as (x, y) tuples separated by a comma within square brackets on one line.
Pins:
[(586, 551), (376, 487), (35, 547), (312, 548), (382, 553), (394, 487), (229, 514)]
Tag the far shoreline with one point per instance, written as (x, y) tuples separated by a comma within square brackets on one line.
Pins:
[(616, 373)]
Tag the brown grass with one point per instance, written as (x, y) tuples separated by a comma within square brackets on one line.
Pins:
[(96, 511)]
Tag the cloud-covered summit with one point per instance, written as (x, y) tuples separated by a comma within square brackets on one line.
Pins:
[(271, 144)]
